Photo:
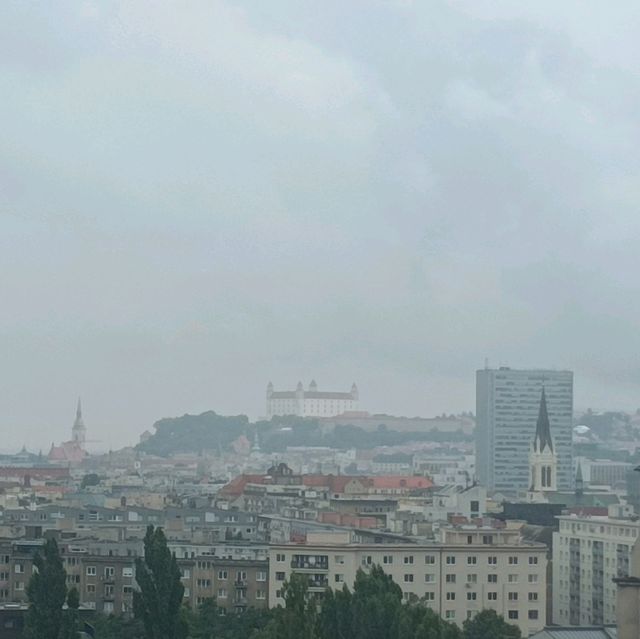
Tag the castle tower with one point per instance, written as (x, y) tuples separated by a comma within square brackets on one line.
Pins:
[(354, 392), (543, 461), (79, 430)]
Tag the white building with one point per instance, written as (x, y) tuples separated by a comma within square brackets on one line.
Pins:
[(310, 403), (588, 553), (473, 568)]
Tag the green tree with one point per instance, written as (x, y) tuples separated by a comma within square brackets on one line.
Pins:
[(91, 479), (299, 617), (488, 624), (159, 601), (47, 591), (70, 617), (420, 622)]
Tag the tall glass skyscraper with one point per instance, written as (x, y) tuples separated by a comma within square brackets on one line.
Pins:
[(507, 403)]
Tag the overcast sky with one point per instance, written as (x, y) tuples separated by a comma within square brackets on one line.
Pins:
[(199, 197)]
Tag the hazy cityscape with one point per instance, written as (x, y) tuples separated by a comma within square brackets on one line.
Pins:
[(319, 320)]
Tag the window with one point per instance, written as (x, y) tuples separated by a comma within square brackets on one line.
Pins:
[(492, 560), (339, 559), (533, 561), (513, 560), (223, 574), (513, 596), (279, 576), (472, 578), (471, 596), (127, 571), (91, 571), (280, 557), (430, 596), (222, 593), (408, 559), (487, 539), (107, 606), (513, 614), (19, 569), (91, 588), (533, 596), (450, 579), (449, 614), (492, 579), (261, 575), (388, 559), (339, 578), (408, 578), (533, 614), (513, 579), (492, 596), (109, 571), (472, 561), (533, 579), (108, 590), (451, 596), (241, 575), (429, 559), (19, 585), (127, 590), (450, 560), (469, 539), (429, 577), (261, 594)]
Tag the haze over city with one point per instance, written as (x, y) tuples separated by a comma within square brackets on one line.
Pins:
[(197, 198)]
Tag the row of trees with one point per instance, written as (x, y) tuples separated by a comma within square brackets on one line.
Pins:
[(374, 609)]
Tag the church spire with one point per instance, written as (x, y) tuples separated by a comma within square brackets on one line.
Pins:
[(78, 421), (543, 438)]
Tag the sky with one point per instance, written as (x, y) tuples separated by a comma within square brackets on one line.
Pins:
[(199, 197)]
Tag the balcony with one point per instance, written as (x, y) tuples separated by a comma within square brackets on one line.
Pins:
[(240, 584)]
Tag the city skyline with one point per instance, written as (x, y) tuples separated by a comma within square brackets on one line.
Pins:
[(284, 199)]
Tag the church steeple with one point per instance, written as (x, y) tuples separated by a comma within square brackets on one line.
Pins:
[(543, 461), (543, 429), (79, 431)]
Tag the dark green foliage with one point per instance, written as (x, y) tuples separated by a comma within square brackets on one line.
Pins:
[(159, 602), (207, 623), (115, 627), (47, 592), (490, 625), (299, 617), (420, 622), (91, 479), (212, 432)]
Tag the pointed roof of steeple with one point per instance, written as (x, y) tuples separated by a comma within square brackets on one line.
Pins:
[(543, 438), (78, 421)]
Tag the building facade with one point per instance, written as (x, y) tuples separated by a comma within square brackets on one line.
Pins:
[(507, 408), (471, 570), (588, 554), (311, 402)]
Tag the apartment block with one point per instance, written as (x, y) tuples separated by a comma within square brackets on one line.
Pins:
[(588, 553), (471, 569)]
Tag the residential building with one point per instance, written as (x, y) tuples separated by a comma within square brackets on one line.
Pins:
[(588, 554), (472, 568), (311, 402), (507, 407)]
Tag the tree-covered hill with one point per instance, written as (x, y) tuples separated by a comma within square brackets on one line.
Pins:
[(212, 432)]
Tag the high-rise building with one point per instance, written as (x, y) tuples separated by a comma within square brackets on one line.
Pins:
[(507, 410)]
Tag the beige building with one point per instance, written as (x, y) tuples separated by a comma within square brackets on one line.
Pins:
[(473, 568), (311, 402), (588, 554)]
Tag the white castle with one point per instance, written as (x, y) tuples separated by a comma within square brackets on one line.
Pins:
[(311, 402)]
